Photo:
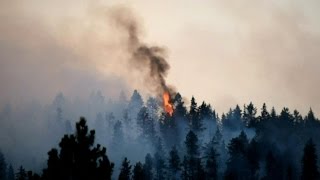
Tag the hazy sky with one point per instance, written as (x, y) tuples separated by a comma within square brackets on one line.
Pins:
[(225, 52)]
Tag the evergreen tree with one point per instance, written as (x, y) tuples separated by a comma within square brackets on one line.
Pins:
[(233, 119), (191, 144), (237, 164), (138, 172), (310, 117), (78, 159), (3, 167), (168, 129), (159, 161), (265, 116), (153, 108), (147, 167), (211, 161), (249, 114), (174, 163), (21, 174), (192, 166), (253, 159), (309, 162), (125, 172), (146, 124), (135, 104), (10, 173), (118, 137), (194, 119), (180, 111), (32, 176), (273, 114), (272, 168), (54, 170), (286, 118)]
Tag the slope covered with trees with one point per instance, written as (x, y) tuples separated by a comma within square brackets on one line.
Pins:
[(194, 143)]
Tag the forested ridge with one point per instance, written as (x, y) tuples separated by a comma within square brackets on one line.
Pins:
[(142, 142)]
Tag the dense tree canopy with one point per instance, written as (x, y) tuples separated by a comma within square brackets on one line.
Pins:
[(194, 143)]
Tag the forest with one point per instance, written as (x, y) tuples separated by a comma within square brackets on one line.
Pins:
[(136, 139)]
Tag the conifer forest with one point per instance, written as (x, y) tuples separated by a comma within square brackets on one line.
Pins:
[(159, 90)]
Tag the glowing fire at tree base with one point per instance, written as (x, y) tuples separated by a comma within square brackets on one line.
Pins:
[(168, 107)]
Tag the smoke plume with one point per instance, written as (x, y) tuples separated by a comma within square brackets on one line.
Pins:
[(146, 58)]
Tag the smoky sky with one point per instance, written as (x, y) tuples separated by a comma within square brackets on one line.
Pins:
[(223, 52), (144, 57)]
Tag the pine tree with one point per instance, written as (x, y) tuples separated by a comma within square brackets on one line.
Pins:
[(194, 119), (78, 158), (125, 172), (310, 117), (3, 167), (297, 117), (21, 174), (272, 169), (146, 124), (249, 114), (118, 137), (148, 166), (309, 162), (54, 170), (135, 104), (191, 144), (265, 116), (174, 163), (237, 164), (273, 114), (186, 169), (233, 119), (10, 173), (253, 159), (32, 176), (159, 161), (180, 110), (211, 162), (138, 172), (192, 165)]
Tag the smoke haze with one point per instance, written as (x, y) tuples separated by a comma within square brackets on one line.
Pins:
[(237, 52), (223, 52)]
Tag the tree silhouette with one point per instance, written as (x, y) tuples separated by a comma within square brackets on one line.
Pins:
[(253, 159), (138, 173), (237, 164), (192, 165), (32, 176), (21, 174), (118, 136), (3, 167), (159, 161), (147, 167), (194, 118), (78, 159), (174, 163), (211, 157), (10, 173), (309, 162), (249, 115), (272, 167), (125, 172)]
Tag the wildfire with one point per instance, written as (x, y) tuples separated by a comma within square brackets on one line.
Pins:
[(166, 103)]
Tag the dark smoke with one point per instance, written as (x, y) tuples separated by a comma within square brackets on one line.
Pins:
[(145, 58)]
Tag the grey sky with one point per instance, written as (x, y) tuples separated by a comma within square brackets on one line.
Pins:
[(224, 52)]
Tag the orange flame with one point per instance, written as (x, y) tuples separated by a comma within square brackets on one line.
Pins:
[(166, 103)]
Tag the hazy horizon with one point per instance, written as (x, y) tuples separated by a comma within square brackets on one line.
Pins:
[(224, 53)]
